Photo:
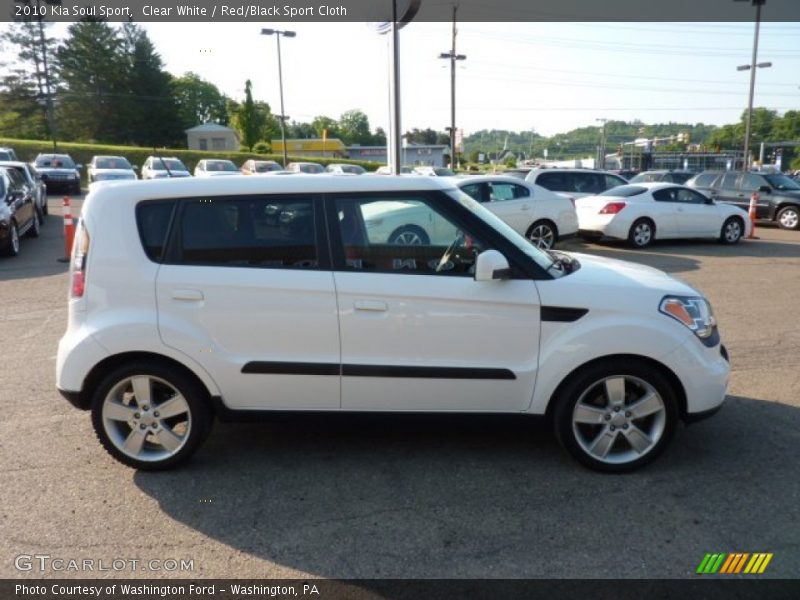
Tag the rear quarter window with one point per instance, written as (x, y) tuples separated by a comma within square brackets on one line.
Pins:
[(153, 220)]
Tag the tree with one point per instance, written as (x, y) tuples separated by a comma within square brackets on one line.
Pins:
[(21, 115), (94, 92), (354, 128), (25, 88), (153, 119), (322, 123), (249, 120), (199, 101)]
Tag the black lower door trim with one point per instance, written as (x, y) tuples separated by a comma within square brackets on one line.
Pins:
[(394, 371), (290, 368)]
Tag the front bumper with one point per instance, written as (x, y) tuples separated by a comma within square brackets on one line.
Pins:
[(704, 373)]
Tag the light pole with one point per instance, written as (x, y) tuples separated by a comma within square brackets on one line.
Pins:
[(752, 68), (601, 155), (290, 34), (453, 57)]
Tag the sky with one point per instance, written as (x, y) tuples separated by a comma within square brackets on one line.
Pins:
[(546, 77)]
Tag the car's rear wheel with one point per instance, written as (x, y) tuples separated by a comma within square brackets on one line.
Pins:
[(542, 234), (642, 233), (732, 230), (616, 416), (409, 235), (789, 217), (150, 417), (12, 243)]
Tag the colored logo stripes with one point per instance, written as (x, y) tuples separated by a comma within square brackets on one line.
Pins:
[(737, 562)]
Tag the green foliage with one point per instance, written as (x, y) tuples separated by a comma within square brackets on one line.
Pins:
[(262, 148), (249, 120), (199, 101), (510, 161)]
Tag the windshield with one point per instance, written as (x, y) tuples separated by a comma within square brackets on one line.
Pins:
[(539, 257), (173, 164), (221, 165), (55, 162), (782, 182), (266, 167), (442, 172), (311, 168), (355, 169), (646, 177), (112, 162)]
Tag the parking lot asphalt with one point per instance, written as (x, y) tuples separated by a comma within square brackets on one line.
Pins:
[(414, 496)]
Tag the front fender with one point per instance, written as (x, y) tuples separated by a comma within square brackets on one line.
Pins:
[(566, 346)]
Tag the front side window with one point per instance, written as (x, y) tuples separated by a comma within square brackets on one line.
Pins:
[(404, 236), (782, 182), (265, 232)]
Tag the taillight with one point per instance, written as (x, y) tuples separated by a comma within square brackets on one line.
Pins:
[(612, 208), (80, 252)]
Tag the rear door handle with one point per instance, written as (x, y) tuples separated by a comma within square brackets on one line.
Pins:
[(188, 295), (371, 305)]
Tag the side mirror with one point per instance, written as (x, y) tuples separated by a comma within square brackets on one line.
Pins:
[(135, 167), (491, 265), (79, 167), (765, 189)]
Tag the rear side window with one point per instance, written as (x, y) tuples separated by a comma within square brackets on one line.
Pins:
[(555, 182), (729, 181), (265, 232), (705, 179), (625, 191), (153, 219)]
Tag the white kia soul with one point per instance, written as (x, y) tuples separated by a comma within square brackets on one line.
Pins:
[(197, 298)]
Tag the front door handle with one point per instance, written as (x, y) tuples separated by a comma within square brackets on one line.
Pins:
[(371, 305), (525, 207), (188, 295)]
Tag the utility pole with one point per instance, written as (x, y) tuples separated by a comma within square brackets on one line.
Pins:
[(453, 57), (752, 68), (601, 153), (283, 117)]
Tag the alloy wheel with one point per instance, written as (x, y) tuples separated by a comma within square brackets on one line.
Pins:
[(542, 236), (146, 418), (619, 419)]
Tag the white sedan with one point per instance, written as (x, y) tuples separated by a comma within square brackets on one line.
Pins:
[(643, 212), (542, 216), (215, 168)]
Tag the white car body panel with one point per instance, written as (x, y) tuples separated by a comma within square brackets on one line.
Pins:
[(352, 318), (672, 219)]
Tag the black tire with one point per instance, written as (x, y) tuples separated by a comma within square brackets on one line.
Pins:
[(585, 384), (76, 189), (788, 217), (732, 231), (638, 236), (45, 208), (192, 391), (545, 231), (36, 227), (11, 247), (409, 232)]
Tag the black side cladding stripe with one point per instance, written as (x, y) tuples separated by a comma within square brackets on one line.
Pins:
[(562, 314), (426, 372), (289, 368)]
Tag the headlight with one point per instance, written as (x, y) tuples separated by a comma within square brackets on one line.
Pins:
[(693, 311)]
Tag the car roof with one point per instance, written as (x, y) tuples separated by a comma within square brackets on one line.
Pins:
[(108, 156), (243, 185), (12, 163), (572, 170), (51, 155), (483, 178)]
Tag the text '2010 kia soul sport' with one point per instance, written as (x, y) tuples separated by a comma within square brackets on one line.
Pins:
[(195, 298)]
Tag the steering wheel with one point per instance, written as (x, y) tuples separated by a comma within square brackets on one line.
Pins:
[(449, 252)]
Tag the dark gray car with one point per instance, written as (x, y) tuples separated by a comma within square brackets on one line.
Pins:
[(778, 195)]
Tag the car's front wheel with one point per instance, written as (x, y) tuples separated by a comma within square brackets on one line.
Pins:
[(542, 234), (616, 416), (732, 230), (150, 417)]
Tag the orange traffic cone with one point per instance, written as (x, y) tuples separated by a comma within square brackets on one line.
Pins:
[(69, 230), (752, 214)]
